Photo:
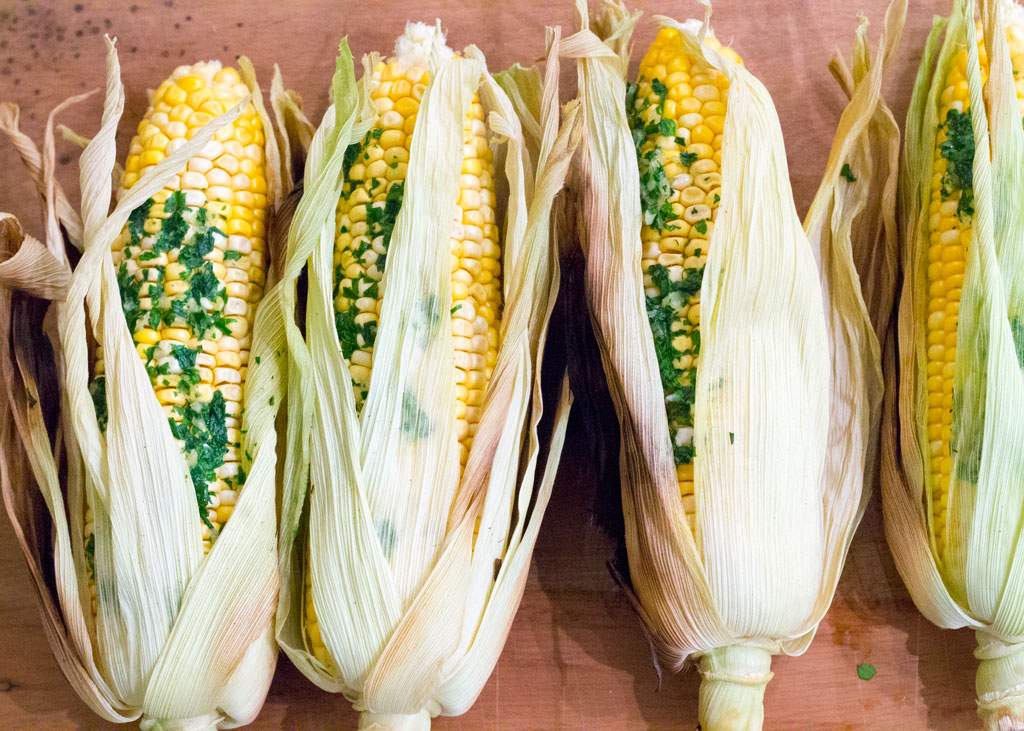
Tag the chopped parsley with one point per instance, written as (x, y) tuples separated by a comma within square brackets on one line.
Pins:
[(661, 90), (204, 436), (137, 222), (958, 150), (701, 226), (847, 174), (654, 184), (90, 555), (200, 427), (678, 385), (866, 672), (98, 391), (380, 223), (350, 333), (174, 227), (129, 288), (686, 159)]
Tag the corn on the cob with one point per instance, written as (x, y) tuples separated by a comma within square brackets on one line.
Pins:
[(191, 269), (949, 235), (366, 213), (734, 553), (952, 461), (165, 291), (392, 591), (677, 115)]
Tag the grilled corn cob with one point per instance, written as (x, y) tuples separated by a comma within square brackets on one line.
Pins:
[(677, 115), (366, 213), (191, 269)]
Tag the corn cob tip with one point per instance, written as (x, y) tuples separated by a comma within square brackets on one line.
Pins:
[(414, 47), (223, 80)]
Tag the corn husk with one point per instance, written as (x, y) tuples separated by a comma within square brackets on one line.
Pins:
[(980, 585), (414, 629), (179, 639), (789, 386)]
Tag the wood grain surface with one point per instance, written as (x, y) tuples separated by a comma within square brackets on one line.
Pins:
[(577, 657)]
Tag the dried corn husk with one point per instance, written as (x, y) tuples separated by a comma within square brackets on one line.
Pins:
[(179, 639), (789, 385), (417, 634), (980, 586)]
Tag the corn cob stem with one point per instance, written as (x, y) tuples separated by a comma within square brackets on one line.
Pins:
[(732, 688), (998, 683), (394, 721), (209, 722)]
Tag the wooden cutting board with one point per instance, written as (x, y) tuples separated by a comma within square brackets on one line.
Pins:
[(577, 657)]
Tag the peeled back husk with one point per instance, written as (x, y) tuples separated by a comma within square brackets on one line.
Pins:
[(788, 387)]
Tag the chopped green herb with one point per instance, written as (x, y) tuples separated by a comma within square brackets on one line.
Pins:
[(630, 97), (185, 356), (90, 555), (129, 288), (678, 385), (137, 222), (958, 150), (662, 91), (866, 672), (686, 159), (204, 436), (701, 226), (232, 255), (847, 174), (98, 391), (732, 438), (174, 227)]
